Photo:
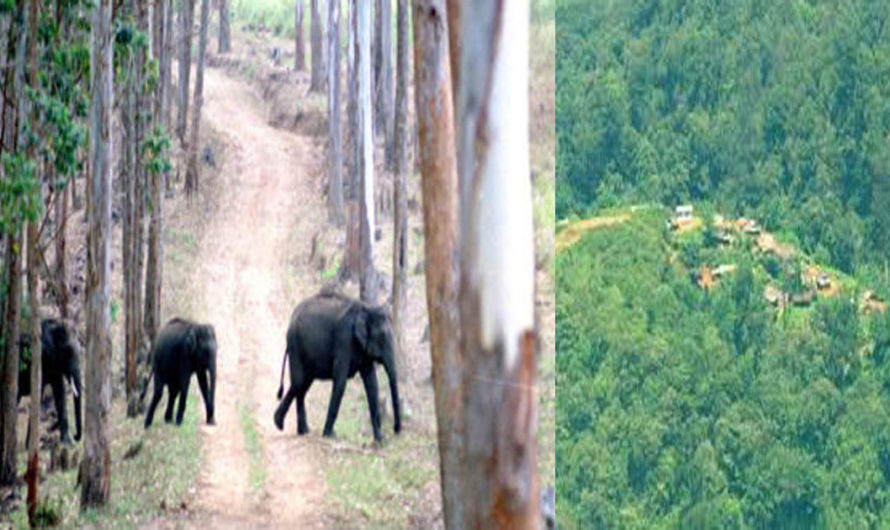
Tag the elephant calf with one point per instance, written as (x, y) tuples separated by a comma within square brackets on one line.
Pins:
[(59, 361), (332, 337), (182, 348)]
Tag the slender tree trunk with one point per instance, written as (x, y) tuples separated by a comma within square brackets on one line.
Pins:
[(385, 113), (497, 279), (191, 173), (352, 101), (154, 270), (225, 32), (367, 276), (335, 180), (32, 477), (316, 44), (299, 41), (166, 66), (61, 211), (186, 16), (96, 464), (9, 390), (435, 120), (400, 199)]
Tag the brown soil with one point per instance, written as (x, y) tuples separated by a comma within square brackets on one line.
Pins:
[(572, 234)]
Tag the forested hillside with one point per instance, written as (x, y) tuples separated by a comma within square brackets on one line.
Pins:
[(776, 110), (681, 407)]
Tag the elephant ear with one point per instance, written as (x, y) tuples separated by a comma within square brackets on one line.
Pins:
[(191, 340), (360, 327)]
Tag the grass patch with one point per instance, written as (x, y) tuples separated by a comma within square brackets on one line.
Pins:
[(331, 271), (162, 472), (254, 445)]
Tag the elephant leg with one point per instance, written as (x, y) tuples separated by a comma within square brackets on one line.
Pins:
[(302, 425), (369, 378), (61, 412), (172, 392), (202, 385), (183, 396), (281, 411), (155, 398), (334, 407)]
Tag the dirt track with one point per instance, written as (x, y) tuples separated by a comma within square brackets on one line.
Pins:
[(267, 200)]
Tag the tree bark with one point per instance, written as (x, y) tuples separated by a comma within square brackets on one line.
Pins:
[(497, 279), (384, 106), (400, 199), (352, 102), (367, 277), (335, 180), (12, 134), (225, 30), (32, 477), (454, 21), (166, 67), (186, 16), (61, 212), (435, 121), (192, 173), (299, 41), (316, 44), (96, 464)]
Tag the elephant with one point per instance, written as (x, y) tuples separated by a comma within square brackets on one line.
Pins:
[(59, 361), (331, 336), (182, 348)]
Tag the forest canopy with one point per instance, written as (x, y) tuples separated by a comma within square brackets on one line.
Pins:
[(775, 110)]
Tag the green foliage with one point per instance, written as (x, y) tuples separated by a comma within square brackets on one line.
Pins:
[(775, 110), (20, 198), (684, 409)]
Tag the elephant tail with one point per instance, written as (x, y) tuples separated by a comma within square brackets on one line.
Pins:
[(281, 381)]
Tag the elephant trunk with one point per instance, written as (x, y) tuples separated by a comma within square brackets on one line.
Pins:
[(212, 395), (390, 367), (77, 390)]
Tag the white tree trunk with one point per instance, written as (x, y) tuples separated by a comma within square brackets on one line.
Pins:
[(367, 278), (497, 270), (95, 468), (335, 175)]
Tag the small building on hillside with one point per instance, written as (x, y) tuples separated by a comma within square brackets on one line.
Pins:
[(683, 212), (872, 302), (773, 296), (804, 299)]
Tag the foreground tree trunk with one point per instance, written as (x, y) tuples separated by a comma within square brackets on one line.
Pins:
[(225, 30), (497, 285), (191, 173), (435, 121), (400, 199), (384, 101), (316, 45), (96, 464), (367, 276), (12, 135), (335, 180), (299, 41), (186, 16), (32, 477), (454, 22)]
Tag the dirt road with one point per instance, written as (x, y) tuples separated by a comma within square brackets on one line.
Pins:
[(252, 475)]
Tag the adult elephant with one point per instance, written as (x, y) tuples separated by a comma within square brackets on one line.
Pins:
[(182, 348), (59, 361), (334, 337)]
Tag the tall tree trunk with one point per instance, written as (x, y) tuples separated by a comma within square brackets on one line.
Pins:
[(367, 276), (299, 41), (497, 279), (352, 101), (154, 271), (191, 173), (316, 45), (225, 31), (335, 180), (186, 16), (400, 199), (384, 106), (32, 477), (454, 14), (166, 66), (12, 133), (61, 274), (435, 121), (96, 464)]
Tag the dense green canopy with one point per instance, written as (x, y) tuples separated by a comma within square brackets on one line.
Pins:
[(776, 109)]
